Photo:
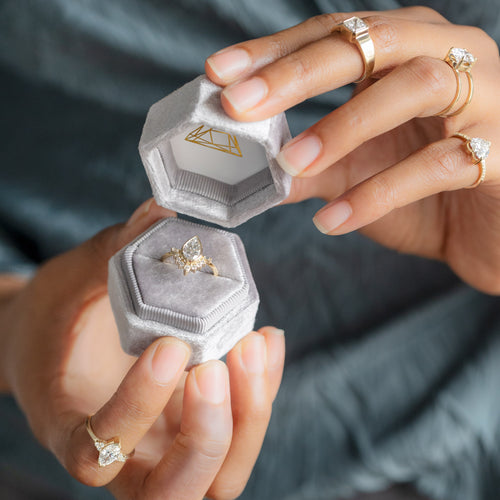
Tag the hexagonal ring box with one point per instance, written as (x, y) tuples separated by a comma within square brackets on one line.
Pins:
[(151, 298), (204, 164)]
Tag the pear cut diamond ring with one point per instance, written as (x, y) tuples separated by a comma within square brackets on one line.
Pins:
[(190, 257), (479, 149)]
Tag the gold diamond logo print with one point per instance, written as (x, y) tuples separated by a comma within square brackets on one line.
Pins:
[(215, 139)]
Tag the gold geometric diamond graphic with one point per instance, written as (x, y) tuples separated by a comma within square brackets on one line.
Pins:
[(215, 139)]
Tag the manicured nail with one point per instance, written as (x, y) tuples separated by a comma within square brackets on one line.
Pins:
[(212, 381), (246, 95), (228, 64), (299, 154), (253, 353), (274, 347), (169, 357), (140, 212), (329, 219)]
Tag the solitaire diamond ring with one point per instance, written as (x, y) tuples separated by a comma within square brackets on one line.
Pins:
[(479, 149)]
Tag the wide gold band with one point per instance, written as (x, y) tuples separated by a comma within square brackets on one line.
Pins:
[(479, 149), (357, 31), (109, 450)]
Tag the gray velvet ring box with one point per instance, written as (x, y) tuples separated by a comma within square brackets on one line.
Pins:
[(202, 163), (151, 298)]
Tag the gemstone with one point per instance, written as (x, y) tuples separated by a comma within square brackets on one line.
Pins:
[(461, 57), (109, 454), (192, 250), (480, 148), (355, 24)]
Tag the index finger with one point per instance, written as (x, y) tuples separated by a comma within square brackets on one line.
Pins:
[(241, 60)]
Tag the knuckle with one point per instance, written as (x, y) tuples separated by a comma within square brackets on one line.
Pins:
[(488, 45), (446, 164), (226, 491), (428, 13), (210, 449), (300, 67), (327, 21), (382, 192), (430, 72), (385, 32)]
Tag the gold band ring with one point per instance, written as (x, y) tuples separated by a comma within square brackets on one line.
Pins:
[(460, 61), (109, 450), (190, 257), (357, 31), (480, 149)]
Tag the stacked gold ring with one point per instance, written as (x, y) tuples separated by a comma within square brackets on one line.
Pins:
[(460, 61)]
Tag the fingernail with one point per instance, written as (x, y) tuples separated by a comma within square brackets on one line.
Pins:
[(298, 155), (169, 357), (212, 381), (253, 353), (140, 212), (246, 95), (332, 217), (275, 347), (228, 64)]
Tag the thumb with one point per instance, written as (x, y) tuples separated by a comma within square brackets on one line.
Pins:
[(84, 270)]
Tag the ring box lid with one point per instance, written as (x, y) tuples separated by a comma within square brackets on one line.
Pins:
[(204, 164)]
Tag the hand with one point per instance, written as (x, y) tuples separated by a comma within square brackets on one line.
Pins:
[(193, 433), (383, 161)]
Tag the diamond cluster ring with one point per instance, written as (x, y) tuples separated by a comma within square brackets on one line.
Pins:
[(356, 31), (460, 61), (109, 451), (190, 257), (479, 149)]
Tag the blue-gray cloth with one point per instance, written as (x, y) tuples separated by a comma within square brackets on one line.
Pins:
[(393, 364)]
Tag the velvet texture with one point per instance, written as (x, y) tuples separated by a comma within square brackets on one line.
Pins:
[(151, 298), (198, 103)]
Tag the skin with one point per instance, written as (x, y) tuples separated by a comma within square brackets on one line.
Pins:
[(401, 179), (386, 163), (194, 433)]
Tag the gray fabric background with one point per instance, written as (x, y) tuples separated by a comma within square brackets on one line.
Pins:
[(392, 364)]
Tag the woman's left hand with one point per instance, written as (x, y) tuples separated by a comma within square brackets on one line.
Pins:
[(384, 161)]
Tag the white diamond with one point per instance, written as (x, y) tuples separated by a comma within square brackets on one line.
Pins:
[(109, 454), (192, 248), (355, 24), (480, 147), (461, 55)]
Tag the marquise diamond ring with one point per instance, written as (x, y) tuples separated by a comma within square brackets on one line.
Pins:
[(109, 450)]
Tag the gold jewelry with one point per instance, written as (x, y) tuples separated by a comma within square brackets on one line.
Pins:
[(357, 31), (190, 257), (109, 451), (480, 149), (460, 61)]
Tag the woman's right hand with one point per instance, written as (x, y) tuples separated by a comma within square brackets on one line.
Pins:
[(195, 434)]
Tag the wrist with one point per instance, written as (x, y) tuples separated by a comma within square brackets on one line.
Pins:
[(10, 287)]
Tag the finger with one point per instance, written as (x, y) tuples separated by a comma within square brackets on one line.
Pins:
[(255, 365), (332, 62), (89, 276), (442, 166), (242, 59), (128, 415), (424, 86), (198, 451)]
